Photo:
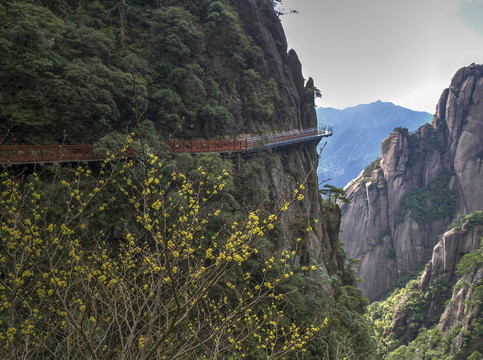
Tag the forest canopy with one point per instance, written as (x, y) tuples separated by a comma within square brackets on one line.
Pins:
[(66, 68)]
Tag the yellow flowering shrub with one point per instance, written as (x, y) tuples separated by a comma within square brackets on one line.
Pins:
[(167, 280)]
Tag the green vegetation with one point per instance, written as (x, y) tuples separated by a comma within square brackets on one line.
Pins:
[(402, 281), (347, 332), (403, 331), (436, 343), (154, 257), (430, 344), (250, 183), (333, 194), (408, 304), (376, 164), (367, 173), (432, 141), (167, 242), (433, 202), (381, 313), (471, 262), (66, 68), (472, 219), (169, 278), (383, 234)]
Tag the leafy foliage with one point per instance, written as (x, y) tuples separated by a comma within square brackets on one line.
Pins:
[(411, 302), (66, 68), (334, 194), (169, 282), (376, 164), (469, 220), (409, 299), (471, 262), (89, 267), (436, 201)]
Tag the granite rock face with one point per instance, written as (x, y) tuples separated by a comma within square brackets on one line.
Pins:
[(424, 181), (450, 301), (285, 168), (293, 109)]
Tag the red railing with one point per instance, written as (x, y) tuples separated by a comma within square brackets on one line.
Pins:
[(49, 153), (250, 143), (52, 153), (201, 145)]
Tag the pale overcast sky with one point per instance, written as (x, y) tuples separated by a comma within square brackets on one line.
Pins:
[(402, 51)]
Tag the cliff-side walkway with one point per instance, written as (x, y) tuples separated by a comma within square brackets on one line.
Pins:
[(25, 154), (250, 143)]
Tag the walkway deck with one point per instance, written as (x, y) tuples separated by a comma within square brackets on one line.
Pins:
[(25, 154), (250, 143)]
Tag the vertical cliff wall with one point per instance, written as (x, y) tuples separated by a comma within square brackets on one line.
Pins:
[(423, 181), (439, 313), (294, 105), (286, 168)]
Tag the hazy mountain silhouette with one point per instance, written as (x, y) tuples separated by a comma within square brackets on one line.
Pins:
[(358, 133)]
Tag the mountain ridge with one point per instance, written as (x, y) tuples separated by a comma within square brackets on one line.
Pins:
[(358, 131)]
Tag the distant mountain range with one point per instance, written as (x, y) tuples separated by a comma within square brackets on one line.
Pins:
[(358, 133)]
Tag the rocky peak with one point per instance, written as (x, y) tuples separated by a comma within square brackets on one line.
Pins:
[(425, 179), (395, 153)]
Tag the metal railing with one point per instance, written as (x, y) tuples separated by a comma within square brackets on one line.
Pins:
[(51, 153), (64, 153), (249, 143)]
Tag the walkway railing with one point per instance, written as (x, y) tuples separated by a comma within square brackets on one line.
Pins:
[(250, 143), (50, 153), (83, 152)]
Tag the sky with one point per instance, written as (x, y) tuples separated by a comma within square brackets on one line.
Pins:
[(401, 51)]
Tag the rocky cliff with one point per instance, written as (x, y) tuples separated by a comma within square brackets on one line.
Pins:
[(223, 67), (439, 313), (283, 170), (422, 182), (295, 110), (290, 105), (462, 306)]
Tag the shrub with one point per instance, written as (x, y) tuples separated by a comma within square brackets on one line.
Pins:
[(164, 282)]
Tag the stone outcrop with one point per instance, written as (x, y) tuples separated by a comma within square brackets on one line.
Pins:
[(442, 267), (450, 300), (289, 168), (284, 169), (425, 180), (293, 109)]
